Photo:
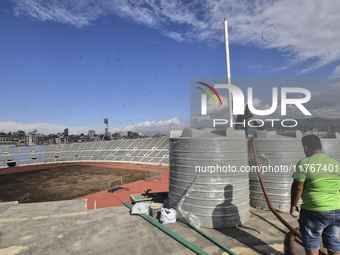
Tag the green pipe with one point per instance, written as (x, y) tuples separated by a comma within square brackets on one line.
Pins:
[(180, 239), (214, 241), (146, 199), (142, 199)]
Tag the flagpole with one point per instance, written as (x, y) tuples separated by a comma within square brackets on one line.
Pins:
[(226, 39)]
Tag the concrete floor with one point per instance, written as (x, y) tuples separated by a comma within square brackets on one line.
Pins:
[(66, 227)]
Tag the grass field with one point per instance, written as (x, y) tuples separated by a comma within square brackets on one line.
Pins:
[(62, 182)]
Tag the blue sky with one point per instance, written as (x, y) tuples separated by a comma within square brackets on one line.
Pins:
[(69, 64)]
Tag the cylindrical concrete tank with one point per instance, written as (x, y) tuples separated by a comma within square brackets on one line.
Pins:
[(278, 155), (331, 145), (205, 184)]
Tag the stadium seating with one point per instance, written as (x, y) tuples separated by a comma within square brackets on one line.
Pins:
[(153, 151)]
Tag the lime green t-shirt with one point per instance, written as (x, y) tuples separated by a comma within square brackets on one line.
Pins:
[(321, 176)]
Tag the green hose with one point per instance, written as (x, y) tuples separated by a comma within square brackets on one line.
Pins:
[(180, 239)]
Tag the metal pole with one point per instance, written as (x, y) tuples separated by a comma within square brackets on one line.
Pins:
[(225, 23)]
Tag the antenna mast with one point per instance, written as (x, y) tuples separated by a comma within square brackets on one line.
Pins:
[(226, 39)]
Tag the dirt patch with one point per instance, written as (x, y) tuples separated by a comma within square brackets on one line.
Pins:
[(62, 183)]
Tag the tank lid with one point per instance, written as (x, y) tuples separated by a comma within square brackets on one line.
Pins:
[(213, 133), (175, 133), (292, 133), (273, 135), (335, 135)]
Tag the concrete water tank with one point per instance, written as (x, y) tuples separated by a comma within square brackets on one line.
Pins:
[(278, 155), (205, 184)]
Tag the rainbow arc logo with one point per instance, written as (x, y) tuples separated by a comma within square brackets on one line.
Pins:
[(209, 93)]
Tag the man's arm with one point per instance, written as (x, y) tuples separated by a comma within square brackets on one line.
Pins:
[(296, 191)]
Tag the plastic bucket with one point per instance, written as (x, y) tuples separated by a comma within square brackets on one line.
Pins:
[(156, 209)]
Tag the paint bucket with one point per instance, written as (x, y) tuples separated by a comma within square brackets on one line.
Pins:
[(156, 209)]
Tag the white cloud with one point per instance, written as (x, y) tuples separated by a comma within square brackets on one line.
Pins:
[(336, 72), (73, 12), (335, 85), (323, 103), (153, 127), (174, 35), (145, 127), (305, 29), (44, 128), (222, 112)]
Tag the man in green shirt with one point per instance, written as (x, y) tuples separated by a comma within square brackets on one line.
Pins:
[(317, 182)]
